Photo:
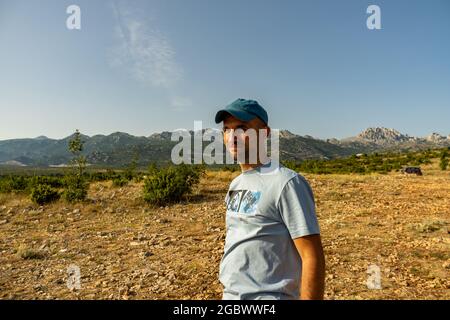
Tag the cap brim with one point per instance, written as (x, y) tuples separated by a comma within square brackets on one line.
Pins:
[(241, 115)]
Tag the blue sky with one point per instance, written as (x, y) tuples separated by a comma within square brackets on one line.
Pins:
[(148, 66)]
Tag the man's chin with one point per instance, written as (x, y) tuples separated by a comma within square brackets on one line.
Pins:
[(234, 153)]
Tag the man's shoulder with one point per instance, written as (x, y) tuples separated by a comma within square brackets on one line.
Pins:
[(235, 180), (287, 173), (285, 176), (281, 174)]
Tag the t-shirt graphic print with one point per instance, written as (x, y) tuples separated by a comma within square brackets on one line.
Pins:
[(243, 201)]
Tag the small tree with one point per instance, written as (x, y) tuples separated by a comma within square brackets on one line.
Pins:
[(130, 171), (76, 185), (76, 147)]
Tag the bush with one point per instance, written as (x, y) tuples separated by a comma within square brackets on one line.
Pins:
[(54, 182), (288, 164), (97, 176), (18, 183), (119, 181), (43, 193), (231, 168), (13, 184), (171, 184), (138, 177), (76, 188), (5, 186)]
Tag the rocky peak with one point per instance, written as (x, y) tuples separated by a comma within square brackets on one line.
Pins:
[(287, 134), (381, 134), (435, 137), (165, 135)]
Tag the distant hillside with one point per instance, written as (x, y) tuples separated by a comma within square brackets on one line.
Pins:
[(380, 139), (119, 148)]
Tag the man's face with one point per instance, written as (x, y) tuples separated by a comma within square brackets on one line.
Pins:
[(237, 136)]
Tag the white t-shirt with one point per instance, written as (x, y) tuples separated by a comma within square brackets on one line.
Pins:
[(267, 207)]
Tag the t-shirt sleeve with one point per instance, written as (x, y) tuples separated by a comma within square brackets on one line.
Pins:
[(297, 208)]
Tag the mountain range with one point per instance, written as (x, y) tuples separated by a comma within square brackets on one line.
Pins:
[(119, 148)]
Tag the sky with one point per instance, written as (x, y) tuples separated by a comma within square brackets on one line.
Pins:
[(148, 66)]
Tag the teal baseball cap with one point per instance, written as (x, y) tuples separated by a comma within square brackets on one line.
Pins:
[(244, 110)]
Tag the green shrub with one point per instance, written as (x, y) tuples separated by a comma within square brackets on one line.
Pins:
[(171, 184), (138, 177), (76, 188), (13, 184), (5, 186), (120, 181), (288, 164), (54, 182), (43, 193), (98, 176), (19, 183), (152, 169)]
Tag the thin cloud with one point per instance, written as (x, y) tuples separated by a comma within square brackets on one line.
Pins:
[(143, 51), (180, 103)]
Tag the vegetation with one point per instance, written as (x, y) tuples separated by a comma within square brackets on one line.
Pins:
[(119, 181), (171, 184), (44, 193), (76, 188), (130, 171), (443, 164), (231, 168), (29, 253), (76, 184), (365, 164), (23, 182), (13, 183)]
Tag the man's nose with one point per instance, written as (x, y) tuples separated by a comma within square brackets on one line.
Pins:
[(231, 136)]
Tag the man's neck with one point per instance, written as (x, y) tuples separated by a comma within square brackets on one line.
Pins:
[(250, 166)]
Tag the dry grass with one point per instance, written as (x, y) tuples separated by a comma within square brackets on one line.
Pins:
[(25, 252), (126, 249), (223, 176)]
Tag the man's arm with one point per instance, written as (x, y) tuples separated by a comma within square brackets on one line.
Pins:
[(313, 267)]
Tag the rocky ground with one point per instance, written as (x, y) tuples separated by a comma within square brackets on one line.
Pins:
[(125, 249)]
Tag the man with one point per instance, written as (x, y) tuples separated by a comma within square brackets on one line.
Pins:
[(272, 248)]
